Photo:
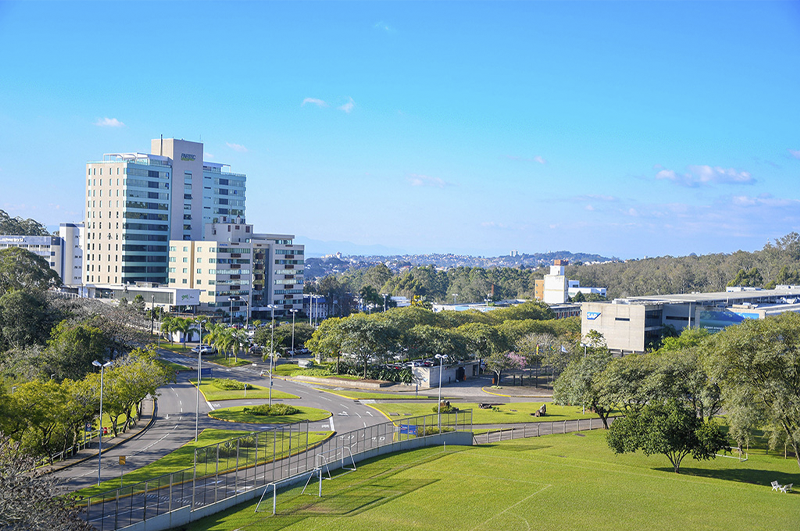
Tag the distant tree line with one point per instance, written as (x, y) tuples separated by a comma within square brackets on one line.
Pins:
[(777, 263)]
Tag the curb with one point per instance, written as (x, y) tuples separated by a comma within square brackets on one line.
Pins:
[(55, 468), (514, 396)]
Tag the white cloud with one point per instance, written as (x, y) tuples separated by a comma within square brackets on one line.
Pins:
[(347, 107), (236, 147), (795, 153), (539, 159), (700, 175), (493, 225), (424, 180), (207, 155), (590, 208), (314, 101), (109, 122), (383, 26)]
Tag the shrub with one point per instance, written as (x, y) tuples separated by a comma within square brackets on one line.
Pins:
[(273, 410), (312, 372), (432, 430), (446, 408), (227, 384)]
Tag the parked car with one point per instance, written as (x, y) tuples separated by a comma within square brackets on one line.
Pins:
[(255, 349), (203, 349)]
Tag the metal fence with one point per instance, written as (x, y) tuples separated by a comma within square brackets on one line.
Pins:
[(238, 465), (536, 429)]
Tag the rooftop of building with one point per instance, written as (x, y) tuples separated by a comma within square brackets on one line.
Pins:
[(727, 297)]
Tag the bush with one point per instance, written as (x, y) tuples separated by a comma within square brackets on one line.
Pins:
[(432, 430), (227, 384), (272, 411), (375, 372), (312, 372), (446, 408)]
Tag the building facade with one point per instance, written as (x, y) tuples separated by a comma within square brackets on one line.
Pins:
[(136, 203), (634, 324), (240, 272)]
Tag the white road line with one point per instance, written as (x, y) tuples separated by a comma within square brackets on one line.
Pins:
[(370, 413), (331, 419), (209, 405), (359, 416)]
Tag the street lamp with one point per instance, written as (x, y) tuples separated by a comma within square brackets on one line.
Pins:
[(441, 358), (293, 312), (384, 300), (455, 296), (199, 364), (271, 349), (152, 313), (100, 438), (232, 299)]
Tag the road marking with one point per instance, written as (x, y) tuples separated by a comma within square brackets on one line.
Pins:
[(343, 413), (370, 413), (359, 416), (331, 419), (212, 407)]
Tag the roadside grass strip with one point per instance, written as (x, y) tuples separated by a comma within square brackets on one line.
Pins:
[(551, 482), (174, 366), (214, 394), (183, 457), (512, 413), (238, 414)]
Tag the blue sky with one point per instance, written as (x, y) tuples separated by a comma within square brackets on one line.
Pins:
[(620, 128)]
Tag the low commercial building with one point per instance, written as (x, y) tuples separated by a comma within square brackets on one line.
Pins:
[(634, 324)]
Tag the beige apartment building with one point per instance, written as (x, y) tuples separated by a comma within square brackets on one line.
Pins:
[(239, 271), (136, 203)]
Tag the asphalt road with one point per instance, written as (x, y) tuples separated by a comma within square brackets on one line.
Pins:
[(175, 419)]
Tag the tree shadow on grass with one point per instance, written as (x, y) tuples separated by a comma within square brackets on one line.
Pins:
[(507, 447), (752, 476)]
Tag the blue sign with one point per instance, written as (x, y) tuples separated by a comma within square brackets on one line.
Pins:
[(205, 373), (592, 315), (408, 428)]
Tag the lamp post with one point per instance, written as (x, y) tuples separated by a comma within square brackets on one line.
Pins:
[(231, 299), (246, 314), (197, 399), (441, 358), (384, 301), (271, 348), (152, 312), (293, 312), (100, 437), (455, 297)]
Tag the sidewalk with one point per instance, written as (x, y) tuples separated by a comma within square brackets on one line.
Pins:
[(109, 443)]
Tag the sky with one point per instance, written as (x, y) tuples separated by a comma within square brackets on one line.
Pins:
[(625, 129)]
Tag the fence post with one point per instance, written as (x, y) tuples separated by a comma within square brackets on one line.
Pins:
[(194, 478), (171, 479), (565, 427)]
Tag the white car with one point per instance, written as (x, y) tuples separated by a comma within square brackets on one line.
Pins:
[(203, 349)]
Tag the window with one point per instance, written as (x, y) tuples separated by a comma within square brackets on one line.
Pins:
[(199, 260), (185, 270), (185, 249), (185, 259), (184, 281)]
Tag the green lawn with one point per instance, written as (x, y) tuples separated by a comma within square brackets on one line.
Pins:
[(290, 369), (213, 394), (229, 361), (238, 414), (174, 366), (512, 413), (183, 458), (554, 482)]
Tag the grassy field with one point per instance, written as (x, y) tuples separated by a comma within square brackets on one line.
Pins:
[(513, 413), (213, 394), (181, 459), (238, 414), (174, 366), (555, 482)]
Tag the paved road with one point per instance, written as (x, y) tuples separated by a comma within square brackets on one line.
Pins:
[(175, 420)]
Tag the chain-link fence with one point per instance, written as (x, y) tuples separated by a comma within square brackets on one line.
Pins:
[(241, 464), (536, 429)]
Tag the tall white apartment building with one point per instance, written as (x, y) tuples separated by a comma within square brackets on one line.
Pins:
[(137, 202), (239, 271), (72, 236)]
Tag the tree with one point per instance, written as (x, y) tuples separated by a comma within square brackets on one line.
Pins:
[(667, 428), (580, 383), (757, 364), (72, 348), (366, 337), (499, 362), (21, 227), (325, 342), (26, 318), (31, 499), (21, 269)]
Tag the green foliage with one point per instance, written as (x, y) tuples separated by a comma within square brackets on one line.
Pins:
[(666, 428), (377, 372), (445, 407), (580, 383), (758, 366), (227, 384), (21, 227), (20, 269), (273, 410), (26, 318)]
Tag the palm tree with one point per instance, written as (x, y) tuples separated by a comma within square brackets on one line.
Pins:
[(238, 340), (183, 326), (166, 327)]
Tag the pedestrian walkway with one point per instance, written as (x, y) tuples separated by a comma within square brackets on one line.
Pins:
[(109, 442)]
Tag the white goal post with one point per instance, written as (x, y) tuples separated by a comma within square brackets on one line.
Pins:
[(323, 460)]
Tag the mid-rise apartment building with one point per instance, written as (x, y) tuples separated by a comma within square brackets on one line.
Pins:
[(136, 203), (239, 271)]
